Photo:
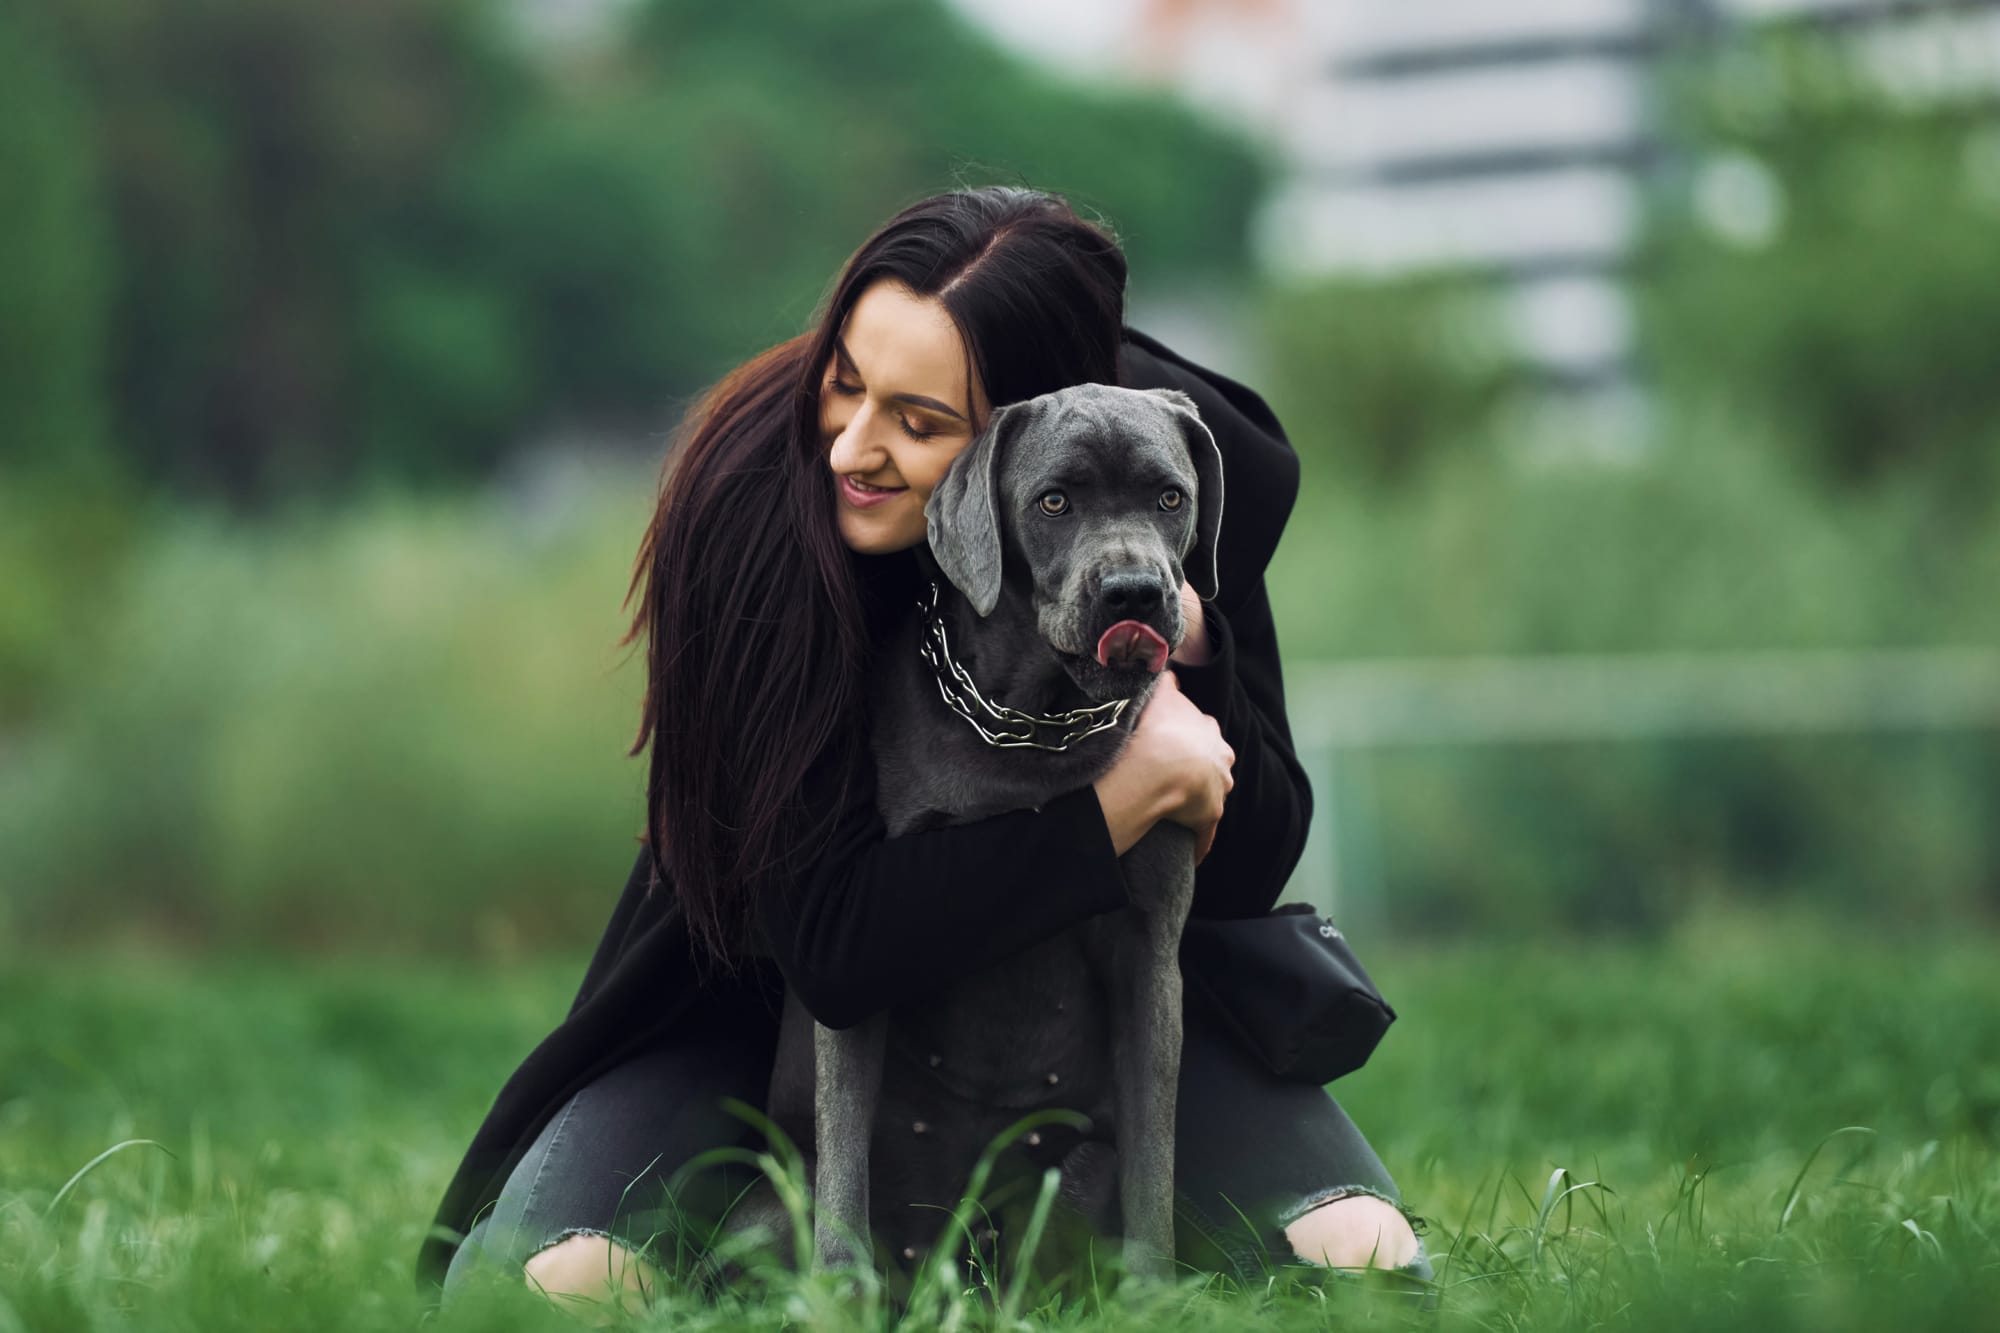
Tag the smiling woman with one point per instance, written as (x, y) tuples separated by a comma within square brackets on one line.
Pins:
[(780, 559), (887, 417)]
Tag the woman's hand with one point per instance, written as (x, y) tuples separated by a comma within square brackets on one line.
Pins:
[(1194, 649), (1175, 766)]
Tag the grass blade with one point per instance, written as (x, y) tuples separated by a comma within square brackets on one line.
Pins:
[(1031, 1239), (93, 1164), (1792, 1199)]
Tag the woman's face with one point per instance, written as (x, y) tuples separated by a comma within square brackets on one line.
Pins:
[(896, 404)]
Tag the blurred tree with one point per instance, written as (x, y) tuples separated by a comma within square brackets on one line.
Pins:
[(55, 258), (1391, 374), (689, 200), (888, 99), (64, 518), (262, 156), (378, 239), (1829, 262)]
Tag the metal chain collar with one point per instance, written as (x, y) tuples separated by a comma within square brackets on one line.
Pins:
[(997, 724)]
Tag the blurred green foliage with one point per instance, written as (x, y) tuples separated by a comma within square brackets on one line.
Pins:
[(1714, 542), (55, 257), (1828, 261), (65, 512), (1819, 267), (1820, 304), (399, 719), (261, 161), (406, 721), (288, 246), (1387, 375), (63, 546)]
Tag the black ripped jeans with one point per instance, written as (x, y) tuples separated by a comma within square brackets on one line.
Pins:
[(1245, 1142)]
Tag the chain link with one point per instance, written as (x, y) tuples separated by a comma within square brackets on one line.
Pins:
[(1004, 727)]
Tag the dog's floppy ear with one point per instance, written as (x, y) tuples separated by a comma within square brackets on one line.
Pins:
[(1198, 562), (962, 517)]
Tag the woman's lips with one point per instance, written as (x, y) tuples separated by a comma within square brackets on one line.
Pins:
[(866, 499)]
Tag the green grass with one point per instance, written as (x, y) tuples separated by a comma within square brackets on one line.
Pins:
[(1600, 1134)]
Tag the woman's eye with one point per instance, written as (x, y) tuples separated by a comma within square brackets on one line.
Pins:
[(1054, 502), (912, 431), (1170, 499), (843, 388)]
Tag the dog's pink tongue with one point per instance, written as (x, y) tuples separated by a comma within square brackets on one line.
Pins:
[(1131, 644)]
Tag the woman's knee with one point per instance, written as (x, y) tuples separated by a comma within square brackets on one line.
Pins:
[(1355, 1231), (587, 1270)]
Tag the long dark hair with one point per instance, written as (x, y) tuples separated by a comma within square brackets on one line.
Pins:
[(747, 595)]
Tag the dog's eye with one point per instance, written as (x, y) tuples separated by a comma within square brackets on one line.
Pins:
[(1053, 502), (1170, 499)]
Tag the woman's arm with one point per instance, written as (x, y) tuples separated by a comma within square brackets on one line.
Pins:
[(1263, 829), (879, 921), (882, 920)]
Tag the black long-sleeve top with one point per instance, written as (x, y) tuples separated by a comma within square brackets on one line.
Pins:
[(879, 921), (885, 920)]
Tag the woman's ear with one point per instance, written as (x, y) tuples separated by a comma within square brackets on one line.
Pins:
[(1198, 561), (962, 517)]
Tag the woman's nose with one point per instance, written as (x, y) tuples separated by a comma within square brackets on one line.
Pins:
[(851, 450)]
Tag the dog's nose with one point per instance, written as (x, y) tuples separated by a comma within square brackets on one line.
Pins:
[(1132, 596)]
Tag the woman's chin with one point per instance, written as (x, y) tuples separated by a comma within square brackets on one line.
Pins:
[(872, 534)]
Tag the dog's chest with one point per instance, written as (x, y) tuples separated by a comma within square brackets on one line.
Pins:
[(1028, 1032), (1032, 1030)]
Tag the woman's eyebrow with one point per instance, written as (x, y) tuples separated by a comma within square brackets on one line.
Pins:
[(913, 399)]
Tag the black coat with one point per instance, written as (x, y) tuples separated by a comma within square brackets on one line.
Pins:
[(867, 928)]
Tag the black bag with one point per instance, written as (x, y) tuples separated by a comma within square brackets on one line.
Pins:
[(1290, 988)]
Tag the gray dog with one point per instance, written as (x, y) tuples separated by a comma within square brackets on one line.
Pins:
[(1061, 534)]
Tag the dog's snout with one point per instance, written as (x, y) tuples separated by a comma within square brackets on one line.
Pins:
[(1132, 595)]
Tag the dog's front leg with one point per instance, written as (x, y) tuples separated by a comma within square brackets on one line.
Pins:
[(847, 1083), (1146, 1040)]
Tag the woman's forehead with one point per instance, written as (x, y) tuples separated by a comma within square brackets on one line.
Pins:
[(901, 343)]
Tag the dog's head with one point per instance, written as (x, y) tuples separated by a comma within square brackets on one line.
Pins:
[(1093, 501)]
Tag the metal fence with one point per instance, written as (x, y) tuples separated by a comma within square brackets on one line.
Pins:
[(1344, 714)]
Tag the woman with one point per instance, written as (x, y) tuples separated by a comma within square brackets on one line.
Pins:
[(779, 555)]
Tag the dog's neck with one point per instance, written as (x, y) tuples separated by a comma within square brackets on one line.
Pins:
[(1012, 666)]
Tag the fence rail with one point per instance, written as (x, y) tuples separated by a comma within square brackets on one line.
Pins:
[(1342, 713)]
